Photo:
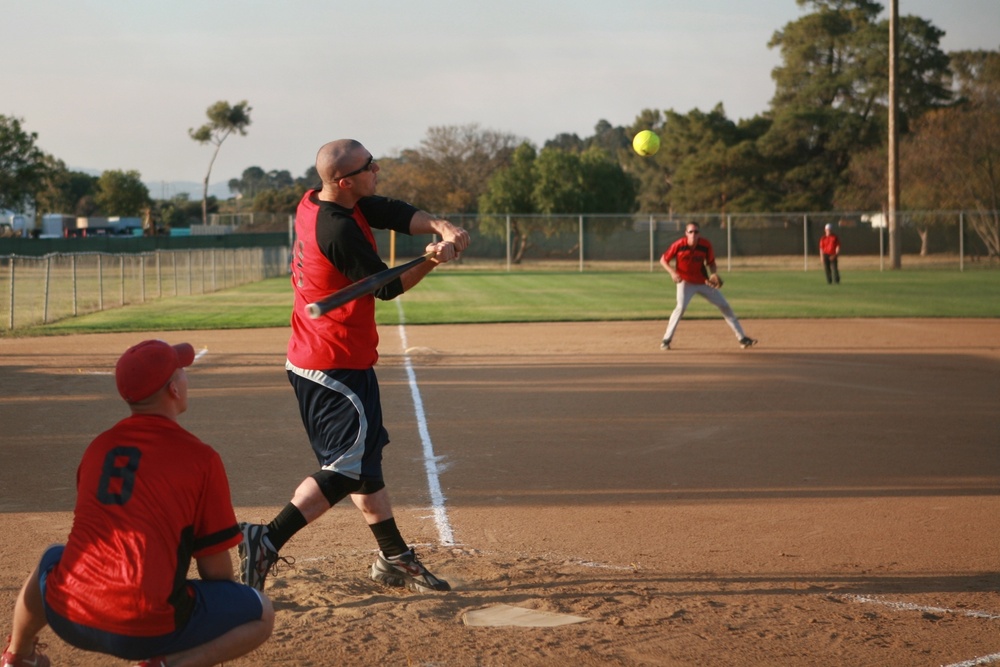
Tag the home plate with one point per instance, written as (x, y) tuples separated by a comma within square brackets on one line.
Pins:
[(502, 614)]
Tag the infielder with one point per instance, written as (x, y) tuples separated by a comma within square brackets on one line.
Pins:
[(691, 256)]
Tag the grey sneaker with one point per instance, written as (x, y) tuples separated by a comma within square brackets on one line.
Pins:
[(406, 570), (257, 556), (665, 344), (746, 342)]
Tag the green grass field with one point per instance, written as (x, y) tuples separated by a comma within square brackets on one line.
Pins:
[(478, 297)]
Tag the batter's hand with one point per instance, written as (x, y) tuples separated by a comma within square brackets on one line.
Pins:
[(458, 237), (715, 281), (444, 251)]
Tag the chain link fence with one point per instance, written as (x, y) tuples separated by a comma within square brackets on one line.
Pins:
[(944, 239), (43, 289)]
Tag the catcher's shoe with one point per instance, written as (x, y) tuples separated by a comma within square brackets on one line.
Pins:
[(407, 571), (746, 342), (33, 659)]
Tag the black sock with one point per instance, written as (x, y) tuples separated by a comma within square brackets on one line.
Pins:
[(288, 522), (389, 540)]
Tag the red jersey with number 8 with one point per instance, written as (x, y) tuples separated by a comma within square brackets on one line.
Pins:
[(150, 497)]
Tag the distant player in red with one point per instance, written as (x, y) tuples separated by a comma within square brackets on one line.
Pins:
[(829, 250), (694, 263), (150, 498)]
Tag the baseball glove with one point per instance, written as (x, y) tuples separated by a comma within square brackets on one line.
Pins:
[(715, 280)]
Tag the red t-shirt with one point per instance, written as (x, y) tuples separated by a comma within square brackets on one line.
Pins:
[(828, 244), (150, 497), (691, 259), (334, 247)]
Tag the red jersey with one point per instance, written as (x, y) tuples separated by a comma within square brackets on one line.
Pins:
[(829, 244), (691, 259), (150, 497), (335, 247)]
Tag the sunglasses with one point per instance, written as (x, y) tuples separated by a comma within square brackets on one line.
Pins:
[(368, 167)]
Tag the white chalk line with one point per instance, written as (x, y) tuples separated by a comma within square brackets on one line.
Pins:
[(198, 355), (983, 660), (440, 514), (446, 534), (909, 606)]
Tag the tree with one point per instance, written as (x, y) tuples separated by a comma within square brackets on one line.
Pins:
[(606, 136), (310, 179), (278, 200), (950, 162), (588, 182), (252, 181), (65, 191), (553, 181), (176, 212), (976, 77), (223, 120), (652, 173), (255, 180), (122, 193), (831, 94), (713, 163), (450, 169), (566, 141), (509, 189), (509, 192), (22, 165)]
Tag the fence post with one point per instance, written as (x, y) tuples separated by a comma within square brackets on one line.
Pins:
[(121, 278), (581, 243), (48, 276), (729, 243), (508, 242), (11, 321), (805, 243), (142, 279), (74, 286), (961, 240), (100, 281), (652, 243)]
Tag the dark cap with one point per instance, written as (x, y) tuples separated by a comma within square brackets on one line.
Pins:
[(147, 367)]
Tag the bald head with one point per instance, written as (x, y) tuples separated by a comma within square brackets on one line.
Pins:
[(336, 158)]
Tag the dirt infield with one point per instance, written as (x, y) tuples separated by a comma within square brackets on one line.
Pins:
[(831, 497)]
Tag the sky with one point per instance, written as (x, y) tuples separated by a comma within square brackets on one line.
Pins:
[(117, 84)]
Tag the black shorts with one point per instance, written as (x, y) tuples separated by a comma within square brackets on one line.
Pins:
[(342, 413)]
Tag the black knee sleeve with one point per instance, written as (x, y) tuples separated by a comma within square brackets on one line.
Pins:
[(370, 486), (336, 487)]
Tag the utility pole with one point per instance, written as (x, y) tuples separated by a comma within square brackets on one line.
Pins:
[(895, 238)]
